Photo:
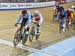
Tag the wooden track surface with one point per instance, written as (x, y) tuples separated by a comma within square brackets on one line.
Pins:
[(49, 29)]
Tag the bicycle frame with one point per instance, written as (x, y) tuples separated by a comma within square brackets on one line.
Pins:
[(33, 32), (34, 28), (20, 35)]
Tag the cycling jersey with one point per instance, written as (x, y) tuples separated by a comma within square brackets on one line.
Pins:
[(62, 15), (38, 18), (73, 13), (26, 20)]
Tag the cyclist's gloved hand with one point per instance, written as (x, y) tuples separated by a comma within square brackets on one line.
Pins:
[(16, 25)]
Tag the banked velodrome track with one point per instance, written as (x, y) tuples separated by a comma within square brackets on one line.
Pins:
[(49, 31)]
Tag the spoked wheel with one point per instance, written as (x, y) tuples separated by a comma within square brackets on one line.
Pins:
[(31, 37), (37, 36), (15, 41), (24, 40), (32, 34), (17, 38)]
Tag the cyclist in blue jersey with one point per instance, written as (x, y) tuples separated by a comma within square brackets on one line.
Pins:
[(62, 16), (25, 18)]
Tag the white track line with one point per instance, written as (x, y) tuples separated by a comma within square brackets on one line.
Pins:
[(20, 46), (23, 47)]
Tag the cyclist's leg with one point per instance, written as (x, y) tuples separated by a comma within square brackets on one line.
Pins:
[(64, 25), (21, 30), (26, 31), (38, 31), (25, 36), (21, 27)]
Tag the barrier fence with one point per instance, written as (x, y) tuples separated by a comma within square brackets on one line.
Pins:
[(25, 5), (28, 5)]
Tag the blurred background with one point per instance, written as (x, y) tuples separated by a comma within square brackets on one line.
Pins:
[(23, 1)]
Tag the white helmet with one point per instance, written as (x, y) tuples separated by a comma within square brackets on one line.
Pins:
[(72, 6), (36, 13)]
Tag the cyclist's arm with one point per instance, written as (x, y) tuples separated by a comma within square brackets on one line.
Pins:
[(58, 16), (41, 19), (19, 19), (29, 19)]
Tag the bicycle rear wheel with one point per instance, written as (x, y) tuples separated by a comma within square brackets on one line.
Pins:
[(37, 36)]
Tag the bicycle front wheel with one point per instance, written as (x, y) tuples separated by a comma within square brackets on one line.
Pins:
[(31, 37), (17, 38), (24, 40)]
